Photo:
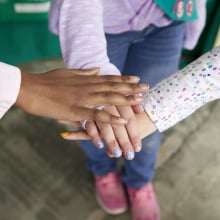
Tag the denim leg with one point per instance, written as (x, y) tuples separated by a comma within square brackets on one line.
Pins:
[(118, 46), (140, 170), (98, 161), (153, 56)]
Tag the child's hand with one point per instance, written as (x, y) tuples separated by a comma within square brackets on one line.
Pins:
[(119, 139), (145, 124)]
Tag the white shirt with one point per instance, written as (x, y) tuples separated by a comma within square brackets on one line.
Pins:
[(179, 95)]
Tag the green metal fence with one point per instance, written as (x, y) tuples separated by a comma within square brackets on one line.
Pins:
[(24, 31)]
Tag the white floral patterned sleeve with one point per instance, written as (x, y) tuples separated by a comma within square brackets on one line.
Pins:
[(178, 96)]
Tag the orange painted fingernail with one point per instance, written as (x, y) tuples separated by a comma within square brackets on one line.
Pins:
[(64, 134), (110, 154), (134, 78)]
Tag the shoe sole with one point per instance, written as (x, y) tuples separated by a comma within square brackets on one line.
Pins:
[(109, 211)]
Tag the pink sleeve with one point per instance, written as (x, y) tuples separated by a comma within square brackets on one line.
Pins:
[(81, 32), (10, 79)]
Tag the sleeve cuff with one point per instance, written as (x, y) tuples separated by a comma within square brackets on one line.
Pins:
[(109, 69), (149, 107), (181, 94), (9, 86)]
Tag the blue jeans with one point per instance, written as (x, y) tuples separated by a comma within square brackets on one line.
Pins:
[(153, 54)]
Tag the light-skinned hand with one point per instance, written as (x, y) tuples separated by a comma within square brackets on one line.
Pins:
[(145, 127), (118, 138)]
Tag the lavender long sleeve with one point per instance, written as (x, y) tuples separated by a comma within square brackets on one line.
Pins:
[(81, 24), (81, 32)]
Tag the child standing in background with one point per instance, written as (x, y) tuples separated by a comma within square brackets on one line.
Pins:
[(143, 37)]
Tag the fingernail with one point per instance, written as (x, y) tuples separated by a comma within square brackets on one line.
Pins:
[(134, 79), (138, 148), (117, 152), (141, 108), (64, 134), (100, 144), (143, 87), (110, 153), (129, 155)]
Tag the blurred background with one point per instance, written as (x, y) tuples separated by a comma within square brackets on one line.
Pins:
[(43, 177), (25, 36)]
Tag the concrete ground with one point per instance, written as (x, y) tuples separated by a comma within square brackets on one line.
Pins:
[(43, 177)]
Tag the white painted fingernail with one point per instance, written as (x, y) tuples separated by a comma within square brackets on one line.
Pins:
[(100, 144), (117, 152)]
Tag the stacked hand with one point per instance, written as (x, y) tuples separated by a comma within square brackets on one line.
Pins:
[(71, 95), (117, 137), (145, 126)]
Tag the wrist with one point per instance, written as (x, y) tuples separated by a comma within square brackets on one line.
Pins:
[(146, 125), (25, 96)]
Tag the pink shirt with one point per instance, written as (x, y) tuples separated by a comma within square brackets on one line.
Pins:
[(10, 79)]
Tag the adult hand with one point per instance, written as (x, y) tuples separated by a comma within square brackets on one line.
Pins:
[(70, 95)]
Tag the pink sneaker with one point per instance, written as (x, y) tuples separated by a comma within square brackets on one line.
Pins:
[(143, 203), (110, 194)]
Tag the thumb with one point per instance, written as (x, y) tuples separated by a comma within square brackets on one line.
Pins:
[(75, 135)]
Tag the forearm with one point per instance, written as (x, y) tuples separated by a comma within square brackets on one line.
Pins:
[(9, 86), (178, 96), (82, 38)]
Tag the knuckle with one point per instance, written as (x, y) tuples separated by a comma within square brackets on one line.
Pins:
[(111, 78), (112, 143), (73, 108), (107, 95), (134, 86), (135, 140), (98, 114), (125, 145), (130, 98), (113, 86)]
